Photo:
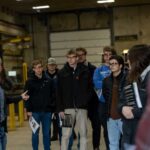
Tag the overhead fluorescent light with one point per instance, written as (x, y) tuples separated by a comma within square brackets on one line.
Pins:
[(105, 1), (125, 51), (41, 7)]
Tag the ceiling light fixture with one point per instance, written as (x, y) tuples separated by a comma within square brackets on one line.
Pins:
[(41, 7), (18, 0), (125, 51), (105, 1)]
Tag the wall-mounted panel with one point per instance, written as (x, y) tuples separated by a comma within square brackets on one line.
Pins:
[(126, 23)]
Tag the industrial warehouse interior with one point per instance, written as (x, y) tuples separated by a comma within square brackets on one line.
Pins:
[(31, 29)]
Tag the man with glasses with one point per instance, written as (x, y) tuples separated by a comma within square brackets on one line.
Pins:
[(74, 93), (112, 86), (100, 73)]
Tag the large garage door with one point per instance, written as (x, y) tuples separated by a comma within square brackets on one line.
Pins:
[(93, 41)]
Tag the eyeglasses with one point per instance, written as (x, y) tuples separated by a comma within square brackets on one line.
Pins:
[(112, 64)]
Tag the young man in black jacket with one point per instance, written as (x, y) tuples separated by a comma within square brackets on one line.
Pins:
[(51, 73), (40, 104), (74, 93), (112, 86)]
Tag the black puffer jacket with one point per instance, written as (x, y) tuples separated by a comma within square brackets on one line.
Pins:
[(41, 94), (94, 102), (74, 87)]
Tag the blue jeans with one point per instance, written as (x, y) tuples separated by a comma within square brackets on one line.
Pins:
[(71, 142), (114, 128), (3, 139), (129, 147), (45, 119), (71, 139)]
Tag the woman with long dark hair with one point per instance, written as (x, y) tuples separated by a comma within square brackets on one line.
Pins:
[(131, 108)]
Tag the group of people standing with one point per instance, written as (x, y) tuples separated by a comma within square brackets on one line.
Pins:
[(119, 98), (83, 91)]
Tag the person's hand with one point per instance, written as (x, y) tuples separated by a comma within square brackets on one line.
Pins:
[(25, 96), (29, 114), (62, 115), (127, 112)]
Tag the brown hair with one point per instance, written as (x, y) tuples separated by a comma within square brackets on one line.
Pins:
[(36, 62), (139, 57), (119, 59), (82, 50), (108, 49), (71, 51)]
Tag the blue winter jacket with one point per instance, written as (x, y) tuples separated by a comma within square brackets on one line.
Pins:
[(100, 73)]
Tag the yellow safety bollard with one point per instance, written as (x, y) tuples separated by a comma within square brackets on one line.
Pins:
[(24, 80), (12, 124), (24, 72), (21, 110), (21, 113)]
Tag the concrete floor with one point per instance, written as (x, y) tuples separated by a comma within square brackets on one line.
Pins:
[(20, 139)]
